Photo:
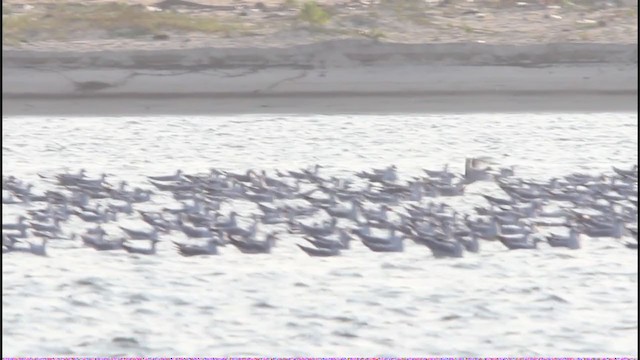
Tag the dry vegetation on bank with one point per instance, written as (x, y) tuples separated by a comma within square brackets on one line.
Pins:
[(172, 23)]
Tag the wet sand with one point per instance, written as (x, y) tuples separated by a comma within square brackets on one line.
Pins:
[(353, 104), (332, 77)]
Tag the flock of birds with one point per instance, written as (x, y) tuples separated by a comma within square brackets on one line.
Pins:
[(361, 208)]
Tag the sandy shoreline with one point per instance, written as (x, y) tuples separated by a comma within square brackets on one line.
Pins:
[(356, 105), (333, 77)]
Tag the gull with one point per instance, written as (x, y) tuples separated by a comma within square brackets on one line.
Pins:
[(53, 227), (520, 241), (633, 173), (96, 240), (20, 225), (193, 232), (385, 175), (483, 230), (379, 215), (276, 218), (444, 173), (10, 199), (97, 182), (123, 208), (8, 241), (258, 197), (99, 217), (210, 248), (240, 232), (141, 235), (323, 242), (36, 249), (253, 246), (343, 212), (470, 243), (175, 186), (320, 252), (176, 177), (474, 171), (266, 209), (156, 220), (70, 179), (498, 201), (571, 242), (392, 243), (247, 177), (319, 231), (231, 222), (441, 248), (141, 251), (615, 230)]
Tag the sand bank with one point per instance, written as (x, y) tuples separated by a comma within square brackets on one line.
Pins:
[(333, 77)]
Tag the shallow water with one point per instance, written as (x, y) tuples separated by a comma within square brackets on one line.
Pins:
[(546, 302)]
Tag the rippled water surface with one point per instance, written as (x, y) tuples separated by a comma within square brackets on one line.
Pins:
[(547, 302)]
